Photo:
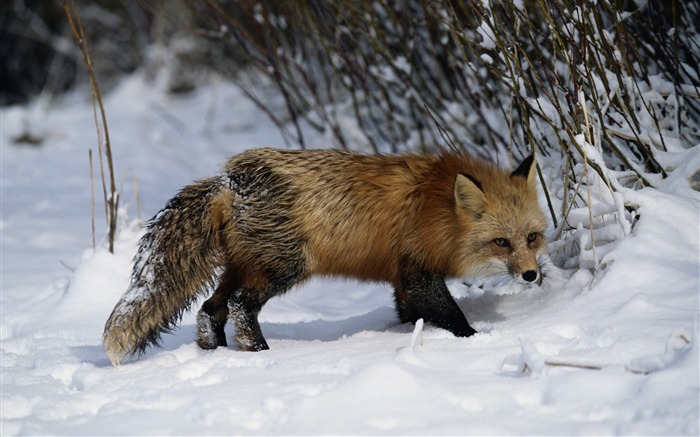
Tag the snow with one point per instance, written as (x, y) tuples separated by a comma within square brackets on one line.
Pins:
[(613, 351)]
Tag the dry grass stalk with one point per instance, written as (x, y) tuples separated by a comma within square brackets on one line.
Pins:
[(112, 198)]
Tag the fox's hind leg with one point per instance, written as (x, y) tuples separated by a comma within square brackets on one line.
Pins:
[(213, 315), (243, 313), (245, 304)]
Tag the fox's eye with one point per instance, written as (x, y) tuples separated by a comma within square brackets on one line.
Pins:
[(532, 237), (501, 242)]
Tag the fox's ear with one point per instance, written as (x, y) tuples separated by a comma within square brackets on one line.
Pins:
[(527, 170), (468, 194)]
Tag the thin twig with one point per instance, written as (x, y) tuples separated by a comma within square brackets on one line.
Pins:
[(111, 200), (443, 134), (573, 365), (92, 199)]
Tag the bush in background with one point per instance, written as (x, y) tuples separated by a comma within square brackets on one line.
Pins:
[(406, 70)]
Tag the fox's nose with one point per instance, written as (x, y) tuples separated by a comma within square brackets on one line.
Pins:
[(531, 276)]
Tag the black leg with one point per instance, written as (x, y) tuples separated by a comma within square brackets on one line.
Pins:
[(405, 308), (243, 313), (213, 315), (432, 300), (245, 304)]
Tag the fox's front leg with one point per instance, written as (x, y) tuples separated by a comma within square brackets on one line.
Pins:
[(432, 300)]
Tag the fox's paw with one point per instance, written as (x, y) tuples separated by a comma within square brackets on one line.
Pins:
[(250, 344), (210, 335)]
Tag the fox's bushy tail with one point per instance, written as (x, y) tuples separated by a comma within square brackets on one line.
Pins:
[(176, 262)]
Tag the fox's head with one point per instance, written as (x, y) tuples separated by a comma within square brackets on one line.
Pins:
[(506, 225)]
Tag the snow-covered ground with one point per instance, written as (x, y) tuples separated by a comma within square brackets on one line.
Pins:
[(611, 353)]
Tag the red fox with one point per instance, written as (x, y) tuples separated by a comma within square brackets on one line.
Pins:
[(274, 218)]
